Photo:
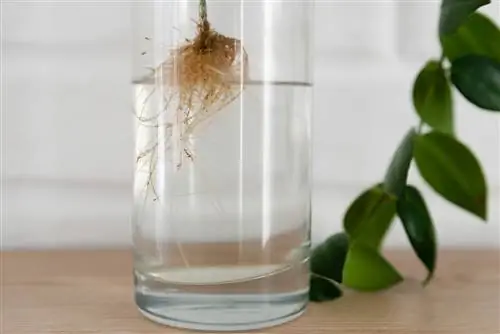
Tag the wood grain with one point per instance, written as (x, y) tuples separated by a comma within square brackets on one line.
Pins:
[(88, 292)]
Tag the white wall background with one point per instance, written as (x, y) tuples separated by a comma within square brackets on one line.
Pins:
[(67, 135)]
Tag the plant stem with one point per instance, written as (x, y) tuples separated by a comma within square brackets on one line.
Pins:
[(203, 10), (442, 58), (419, 128)]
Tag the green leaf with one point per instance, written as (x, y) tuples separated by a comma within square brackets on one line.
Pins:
[(366, 270), (477, 35), (432, 97), (419, 227), (451, 169), (328, 258), (369, 216), (478, 80), (321, 289), (455, 12), (397, 173)]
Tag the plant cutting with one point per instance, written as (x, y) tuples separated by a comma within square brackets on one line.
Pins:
[(470, 65), (199, 78)]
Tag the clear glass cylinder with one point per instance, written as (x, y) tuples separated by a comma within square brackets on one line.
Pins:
[(222, 109)]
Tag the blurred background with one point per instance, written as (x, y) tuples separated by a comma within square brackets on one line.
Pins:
[(67, 142)]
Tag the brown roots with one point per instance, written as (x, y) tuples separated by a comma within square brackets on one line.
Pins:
[(206, 74), (200, 78)]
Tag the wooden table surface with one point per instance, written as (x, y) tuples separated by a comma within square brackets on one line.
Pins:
[(88, 292)]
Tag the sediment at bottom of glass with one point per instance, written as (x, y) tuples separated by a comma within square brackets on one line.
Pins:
[(245, 305)]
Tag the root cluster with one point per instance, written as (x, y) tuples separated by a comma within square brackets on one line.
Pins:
[(199, 79), (205, 74)]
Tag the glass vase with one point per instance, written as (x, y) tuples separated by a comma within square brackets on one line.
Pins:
[(222, 96)]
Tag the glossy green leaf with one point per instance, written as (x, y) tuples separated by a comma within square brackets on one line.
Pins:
[(419, 227), (477, 35), (366, 270), (478, 80), (451, 169), (321, 289), (432, 97), (328, 258), (455, 12), (397, 173), (369, 216)]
